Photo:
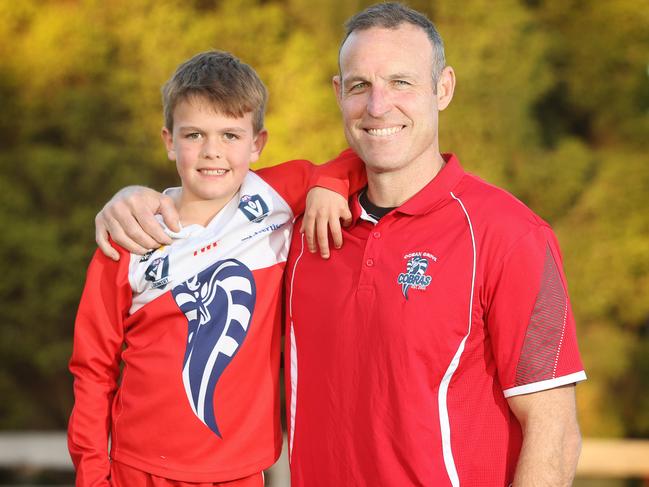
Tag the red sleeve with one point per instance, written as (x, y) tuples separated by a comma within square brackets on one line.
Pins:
[(293, 179), (345, 174), (98, 339), (530, 319)]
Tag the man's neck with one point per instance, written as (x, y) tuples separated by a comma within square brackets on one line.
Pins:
[(393, 188)]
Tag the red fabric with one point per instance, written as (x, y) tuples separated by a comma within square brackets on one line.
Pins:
[(149, 416), (97, 350), (153, 427), (121, 475), (374, 336), (292, 179)]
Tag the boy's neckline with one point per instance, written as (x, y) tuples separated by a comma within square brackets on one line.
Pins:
[(189, 229), (201, 212)]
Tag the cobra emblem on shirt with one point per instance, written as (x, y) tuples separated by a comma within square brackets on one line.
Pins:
[(218, 303), (415, 276)]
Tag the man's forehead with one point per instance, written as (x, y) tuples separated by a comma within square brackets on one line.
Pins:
[(404, 33), (396, 50)]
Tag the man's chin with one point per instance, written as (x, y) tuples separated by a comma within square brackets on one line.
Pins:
[(379, 160)]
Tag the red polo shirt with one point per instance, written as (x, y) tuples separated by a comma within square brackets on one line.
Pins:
[(404, 346)]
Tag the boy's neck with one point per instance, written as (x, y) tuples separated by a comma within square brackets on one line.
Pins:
[(197, 211)]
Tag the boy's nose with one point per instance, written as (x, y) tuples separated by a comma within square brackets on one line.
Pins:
[(211, 150)]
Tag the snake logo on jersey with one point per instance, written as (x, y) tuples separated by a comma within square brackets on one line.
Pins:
[(218, 304), (415, 276)]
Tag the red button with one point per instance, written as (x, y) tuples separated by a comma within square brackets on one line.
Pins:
[(377, 234), (369, 262)]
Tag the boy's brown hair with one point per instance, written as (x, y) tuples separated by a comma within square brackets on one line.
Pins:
[(231, 86)]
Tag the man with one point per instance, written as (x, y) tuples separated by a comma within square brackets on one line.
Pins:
[(437, 346), (444, 328)]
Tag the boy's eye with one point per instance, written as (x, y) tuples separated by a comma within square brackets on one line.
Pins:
[(230, 136), (193, 136)]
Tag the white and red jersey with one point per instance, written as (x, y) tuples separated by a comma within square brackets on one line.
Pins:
[(196, 326), (405, 344)]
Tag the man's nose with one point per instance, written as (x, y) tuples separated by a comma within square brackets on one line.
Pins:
[(378, 103)]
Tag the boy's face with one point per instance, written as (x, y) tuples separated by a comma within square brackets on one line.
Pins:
[(212, 151)]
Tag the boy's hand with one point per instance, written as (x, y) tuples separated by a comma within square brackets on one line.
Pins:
[(129, 219), (324, 211)]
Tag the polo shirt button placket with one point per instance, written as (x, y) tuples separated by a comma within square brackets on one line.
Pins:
[(370, 263)]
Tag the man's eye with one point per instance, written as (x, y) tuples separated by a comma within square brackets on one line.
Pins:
[(401, 82), (358, 86)]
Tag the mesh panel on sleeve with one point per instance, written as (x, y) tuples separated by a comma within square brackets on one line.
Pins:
[(545, 331)]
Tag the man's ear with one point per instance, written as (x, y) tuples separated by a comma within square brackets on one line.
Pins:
[(168, 140), (445, 88), (258, 145), (337, 85)]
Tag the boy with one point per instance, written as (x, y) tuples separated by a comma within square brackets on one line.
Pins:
[(196, 324)]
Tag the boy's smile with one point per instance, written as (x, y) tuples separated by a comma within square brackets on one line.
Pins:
[(213, 152)]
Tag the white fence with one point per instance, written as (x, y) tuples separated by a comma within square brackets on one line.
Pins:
[(599, 457), (49, 451)]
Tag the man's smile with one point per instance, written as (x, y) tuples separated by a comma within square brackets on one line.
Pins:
[(384, 132)]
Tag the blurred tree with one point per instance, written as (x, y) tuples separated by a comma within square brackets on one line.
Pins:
[(552, 102), (600, 54), (498, 52), (606, 249), (595, 117)]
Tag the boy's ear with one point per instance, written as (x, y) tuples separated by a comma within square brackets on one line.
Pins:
[(168, 140), (258, 145)]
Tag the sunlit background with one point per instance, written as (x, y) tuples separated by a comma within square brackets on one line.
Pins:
[(552, 103)]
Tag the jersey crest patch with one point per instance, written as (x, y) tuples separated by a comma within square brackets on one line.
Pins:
[(254, 207), (158, 272), (218, 304), (415, 276)]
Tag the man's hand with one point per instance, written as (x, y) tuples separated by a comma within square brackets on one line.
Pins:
[(129, 219), (551, 438), (324, 211)]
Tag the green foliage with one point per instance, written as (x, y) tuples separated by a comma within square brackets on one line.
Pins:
[(552, 102), (498, 52), (599, 50)]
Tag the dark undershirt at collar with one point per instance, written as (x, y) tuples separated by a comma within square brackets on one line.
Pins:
[(376, 212)]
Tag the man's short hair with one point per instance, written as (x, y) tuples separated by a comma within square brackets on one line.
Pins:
[(391, 15), (229, 85)]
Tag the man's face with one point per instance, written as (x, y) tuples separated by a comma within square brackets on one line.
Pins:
[(212, 151), (387, 97)]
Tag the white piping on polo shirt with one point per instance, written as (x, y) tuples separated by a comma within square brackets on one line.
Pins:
[(293, 405), (545, 384), (445, 426)]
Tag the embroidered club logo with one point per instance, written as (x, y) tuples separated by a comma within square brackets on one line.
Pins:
[(254, 207), (218, 304), (415, 276), (158, 272)]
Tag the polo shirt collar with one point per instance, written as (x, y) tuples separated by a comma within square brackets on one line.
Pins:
[(436, 192)]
